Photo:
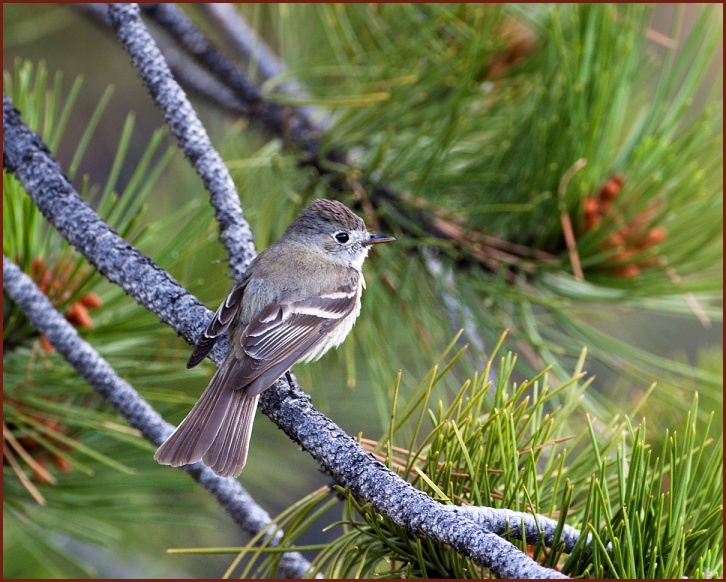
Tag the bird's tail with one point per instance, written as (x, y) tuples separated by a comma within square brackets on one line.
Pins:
[(216, 431)]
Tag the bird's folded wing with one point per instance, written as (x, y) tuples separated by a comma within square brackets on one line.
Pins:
[(284, 332), (219, 324)]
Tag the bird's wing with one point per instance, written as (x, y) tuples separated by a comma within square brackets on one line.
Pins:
[(284, 332), (219, 324)]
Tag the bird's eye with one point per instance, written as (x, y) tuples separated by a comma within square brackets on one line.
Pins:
[(342, 237)]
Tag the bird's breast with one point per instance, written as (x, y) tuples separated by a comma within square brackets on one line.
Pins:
[(338, 334)]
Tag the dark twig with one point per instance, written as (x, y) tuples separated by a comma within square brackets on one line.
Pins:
[(27, 157), (192, 76), (196, 80), (190, 133), (276, 118), (138, 413), (254, 49)]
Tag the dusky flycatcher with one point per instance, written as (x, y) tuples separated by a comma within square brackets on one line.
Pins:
[(298, 298)]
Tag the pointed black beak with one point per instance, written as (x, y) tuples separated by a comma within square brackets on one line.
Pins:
[(376, 239)]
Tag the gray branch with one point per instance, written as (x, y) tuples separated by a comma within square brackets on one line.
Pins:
[(520, 525), (131, 406), (353, 467), (235, 233), (27, 157)]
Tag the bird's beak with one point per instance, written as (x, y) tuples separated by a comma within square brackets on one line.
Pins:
[(376, 239)]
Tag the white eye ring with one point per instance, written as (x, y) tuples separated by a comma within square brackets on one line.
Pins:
[(342, 237)]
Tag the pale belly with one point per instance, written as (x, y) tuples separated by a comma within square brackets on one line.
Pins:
[(335, 338)]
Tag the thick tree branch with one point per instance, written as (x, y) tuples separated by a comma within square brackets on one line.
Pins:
[(190, 133), (26, 156), (520, 525), (130, 405), (355, 468)]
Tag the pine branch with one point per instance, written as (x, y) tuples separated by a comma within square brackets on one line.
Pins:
[(192, 137), (355, 468), (129, 404), (28, 158), (421, 220), (517, 523)]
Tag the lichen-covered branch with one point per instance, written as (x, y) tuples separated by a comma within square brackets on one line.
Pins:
[(27, 157), (355, 468), (519, 525), (235, 233)]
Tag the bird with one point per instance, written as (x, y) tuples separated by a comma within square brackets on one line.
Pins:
[(298, 299)]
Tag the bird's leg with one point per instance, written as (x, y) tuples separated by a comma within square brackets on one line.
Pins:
[(289, 380)]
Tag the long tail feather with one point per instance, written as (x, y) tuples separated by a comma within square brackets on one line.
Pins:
[(228, 453), (217, 430)]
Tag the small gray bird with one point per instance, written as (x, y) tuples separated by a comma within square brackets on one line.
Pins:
[(299, 298)]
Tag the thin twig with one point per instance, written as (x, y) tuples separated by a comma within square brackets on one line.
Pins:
[(253, 49), (26, 456), (24, 479), (279, 119), (567, 229)]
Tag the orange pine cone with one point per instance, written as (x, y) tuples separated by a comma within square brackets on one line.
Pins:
[(91, 300)]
